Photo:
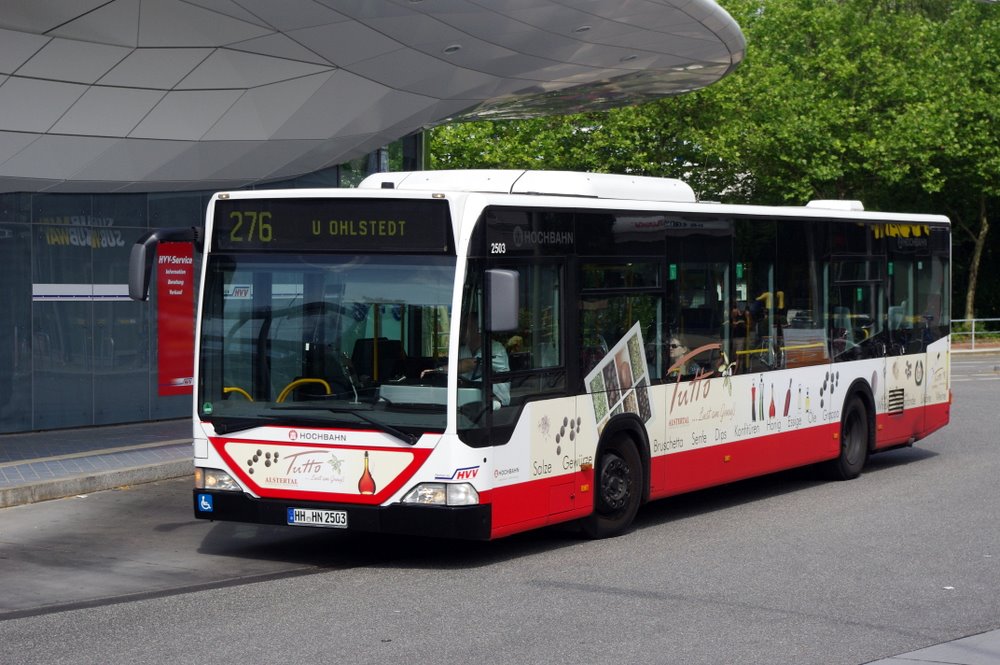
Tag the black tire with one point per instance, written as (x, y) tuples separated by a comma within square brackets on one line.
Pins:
[(854, 434), (617, 489)]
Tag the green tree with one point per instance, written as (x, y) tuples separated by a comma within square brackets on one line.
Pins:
[(893, 102)]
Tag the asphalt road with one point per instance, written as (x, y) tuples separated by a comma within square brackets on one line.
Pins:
[(782, 569)]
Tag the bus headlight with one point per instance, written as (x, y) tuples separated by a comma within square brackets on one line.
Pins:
[(214, 479), (443, 494)]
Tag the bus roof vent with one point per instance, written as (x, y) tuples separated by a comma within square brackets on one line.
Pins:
[(459, 180), (542, 183), (603, 186), (837, 204)]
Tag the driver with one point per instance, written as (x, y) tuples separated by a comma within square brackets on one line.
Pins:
[(470, 355)]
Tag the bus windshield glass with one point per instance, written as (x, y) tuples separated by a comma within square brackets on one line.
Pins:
[(328, 341)]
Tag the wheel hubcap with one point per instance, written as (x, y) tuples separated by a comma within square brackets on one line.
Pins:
[(616, 485)]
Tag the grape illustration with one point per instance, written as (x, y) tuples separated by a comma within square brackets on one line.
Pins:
[(570, 428), (269, 459)]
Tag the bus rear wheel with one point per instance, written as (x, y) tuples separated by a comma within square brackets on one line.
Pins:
[(617, 489), (854, 433)]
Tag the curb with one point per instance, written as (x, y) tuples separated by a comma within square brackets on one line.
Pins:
[(85, 484)]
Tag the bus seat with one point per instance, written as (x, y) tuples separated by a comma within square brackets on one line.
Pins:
[(896, 317), (842, 318), (520, 360), (390, 358)]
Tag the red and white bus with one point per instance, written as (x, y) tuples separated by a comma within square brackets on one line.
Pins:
[(474, 354)]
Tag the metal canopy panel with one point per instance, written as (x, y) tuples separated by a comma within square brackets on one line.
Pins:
[(81, 62), (151, 95), (154, 68), (54, 156), (17, 47), (186, 115), (107, 112), (34, 105)]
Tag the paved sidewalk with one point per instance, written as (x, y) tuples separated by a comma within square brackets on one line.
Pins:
[(981, 347), (37, 466), (982, 649)]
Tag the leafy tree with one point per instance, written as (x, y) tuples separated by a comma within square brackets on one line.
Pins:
[(894, 102)]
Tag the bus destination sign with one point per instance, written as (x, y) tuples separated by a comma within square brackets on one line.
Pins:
[(332, 225)]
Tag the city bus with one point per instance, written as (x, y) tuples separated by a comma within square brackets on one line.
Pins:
[(473, 354)]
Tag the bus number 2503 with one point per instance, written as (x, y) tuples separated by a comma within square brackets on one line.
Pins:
[(498, 248)]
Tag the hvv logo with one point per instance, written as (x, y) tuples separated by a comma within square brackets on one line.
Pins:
[(465, 473)]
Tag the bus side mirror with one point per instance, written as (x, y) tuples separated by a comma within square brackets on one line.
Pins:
[(140, 267), (503, 290), (140, 259)]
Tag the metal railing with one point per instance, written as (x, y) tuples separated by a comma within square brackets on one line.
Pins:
[(967, 329)]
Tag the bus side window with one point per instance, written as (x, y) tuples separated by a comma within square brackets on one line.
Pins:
[(534, 348), (858, 311), (755, 254), (799, 275), (699, 312)]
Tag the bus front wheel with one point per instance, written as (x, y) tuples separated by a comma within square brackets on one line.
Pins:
[(617, 489)]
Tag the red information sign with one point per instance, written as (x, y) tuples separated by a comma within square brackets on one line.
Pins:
[(175, 317)]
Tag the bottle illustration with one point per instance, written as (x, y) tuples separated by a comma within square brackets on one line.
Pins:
[(799, 403), (788, 398), (367, 484), (770, 409), (760, 400), (807, 399), (753, 402)]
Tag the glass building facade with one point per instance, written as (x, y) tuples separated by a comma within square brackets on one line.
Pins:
[(74, 350)]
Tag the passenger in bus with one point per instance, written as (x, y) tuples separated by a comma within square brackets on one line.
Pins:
[(515, 344), (738, 326), (679, 366)]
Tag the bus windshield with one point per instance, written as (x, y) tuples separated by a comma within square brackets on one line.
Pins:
[(324, 340)]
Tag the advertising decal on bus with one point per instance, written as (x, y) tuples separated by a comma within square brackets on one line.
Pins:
[(368, 473), (620, 381)]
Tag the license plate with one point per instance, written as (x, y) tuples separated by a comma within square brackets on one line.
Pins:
[(333, 519)]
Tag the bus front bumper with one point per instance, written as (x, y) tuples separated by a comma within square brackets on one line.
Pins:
[(465, 522)]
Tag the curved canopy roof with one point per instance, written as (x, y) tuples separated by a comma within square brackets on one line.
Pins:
[(145, 95)]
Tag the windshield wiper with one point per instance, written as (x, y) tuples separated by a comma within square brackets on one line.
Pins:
[(405, 437), (413, 406), (227, 425)]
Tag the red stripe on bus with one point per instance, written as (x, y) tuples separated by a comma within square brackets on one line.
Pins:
[(547, 501)]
